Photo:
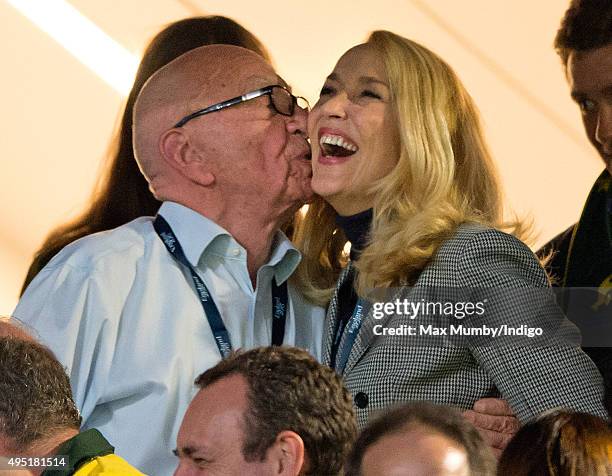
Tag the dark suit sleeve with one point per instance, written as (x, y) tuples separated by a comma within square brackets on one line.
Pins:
[(537, 377)]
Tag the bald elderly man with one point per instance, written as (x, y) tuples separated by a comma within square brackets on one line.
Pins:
[(137, 313)]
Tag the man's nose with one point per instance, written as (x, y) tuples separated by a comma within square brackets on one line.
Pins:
[(603, 132), (297, 124), (183, 468)]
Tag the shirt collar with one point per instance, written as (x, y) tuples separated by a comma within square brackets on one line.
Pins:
[(284, 258), (198, 234), (195, 232)]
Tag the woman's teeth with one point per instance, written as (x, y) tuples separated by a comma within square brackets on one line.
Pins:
[(336, 146)]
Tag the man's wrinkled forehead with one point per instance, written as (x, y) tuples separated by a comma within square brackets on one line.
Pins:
[(237, 77), (238, 67), (257, 81)]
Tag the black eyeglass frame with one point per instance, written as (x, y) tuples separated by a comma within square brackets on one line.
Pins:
[(267, 90)]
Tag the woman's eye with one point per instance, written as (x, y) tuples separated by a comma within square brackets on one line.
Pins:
[(370, 94)]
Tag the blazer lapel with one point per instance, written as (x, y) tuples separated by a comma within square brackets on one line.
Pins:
[(366, 334)]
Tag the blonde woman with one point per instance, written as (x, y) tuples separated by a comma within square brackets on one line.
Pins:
[(404, 174)]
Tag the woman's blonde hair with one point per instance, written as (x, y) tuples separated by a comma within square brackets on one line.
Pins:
[(444, 177)]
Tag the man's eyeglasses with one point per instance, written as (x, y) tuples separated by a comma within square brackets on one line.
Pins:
[(281, 100)]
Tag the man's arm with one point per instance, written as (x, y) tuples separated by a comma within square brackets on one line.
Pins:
[(72, 313)]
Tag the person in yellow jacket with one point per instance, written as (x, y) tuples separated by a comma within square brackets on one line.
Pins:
[(89, 454), (39, 422)]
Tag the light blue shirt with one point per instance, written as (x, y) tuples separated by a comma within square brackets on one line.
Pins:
[(122, 315)]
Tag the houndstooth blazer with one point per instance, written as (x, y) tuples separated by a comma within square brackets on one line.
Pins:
[(383, 370)]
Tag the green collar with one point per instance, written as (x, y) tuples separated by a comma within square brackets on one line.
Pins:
[(80, 449)]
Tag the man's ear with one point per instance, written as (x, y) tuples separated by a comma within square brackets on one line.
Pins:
[(287, 454), (176, 150)]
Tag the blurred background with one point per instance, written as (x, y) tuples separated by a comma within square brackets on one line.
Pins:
[(61, 100)]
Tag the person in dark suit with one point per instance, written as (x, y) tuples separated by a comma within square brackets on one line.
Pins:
[(401, 164), (581, 256)]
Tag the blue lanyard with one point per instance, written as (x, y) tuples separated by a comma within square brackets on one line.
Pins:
[(340, 355), (220, 333)]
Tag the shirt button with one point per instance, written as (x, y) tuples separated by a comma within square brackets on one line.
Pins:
[(361, 400), (236, 252)]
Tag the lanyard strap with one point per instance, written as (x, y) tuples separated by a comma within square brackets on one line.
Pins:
[(340, 354), (222, 338)]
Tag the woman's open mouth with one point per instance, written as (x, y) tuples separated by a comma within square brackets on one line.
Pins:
[(336, 146)]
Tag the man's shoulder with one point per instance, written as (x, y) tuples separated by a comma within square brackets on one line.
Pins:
[(111, 465), (126, 243), (90, 453)]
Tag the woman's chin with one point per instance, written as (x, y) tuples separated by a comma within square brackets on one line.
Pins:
[(317, 183)]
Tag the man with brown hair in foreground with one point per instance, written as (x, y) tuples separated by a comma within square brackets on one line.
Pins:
[(271, 411)]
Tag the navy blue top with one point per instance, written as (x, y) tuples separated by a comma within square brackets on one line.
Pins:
[(356, 228)]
